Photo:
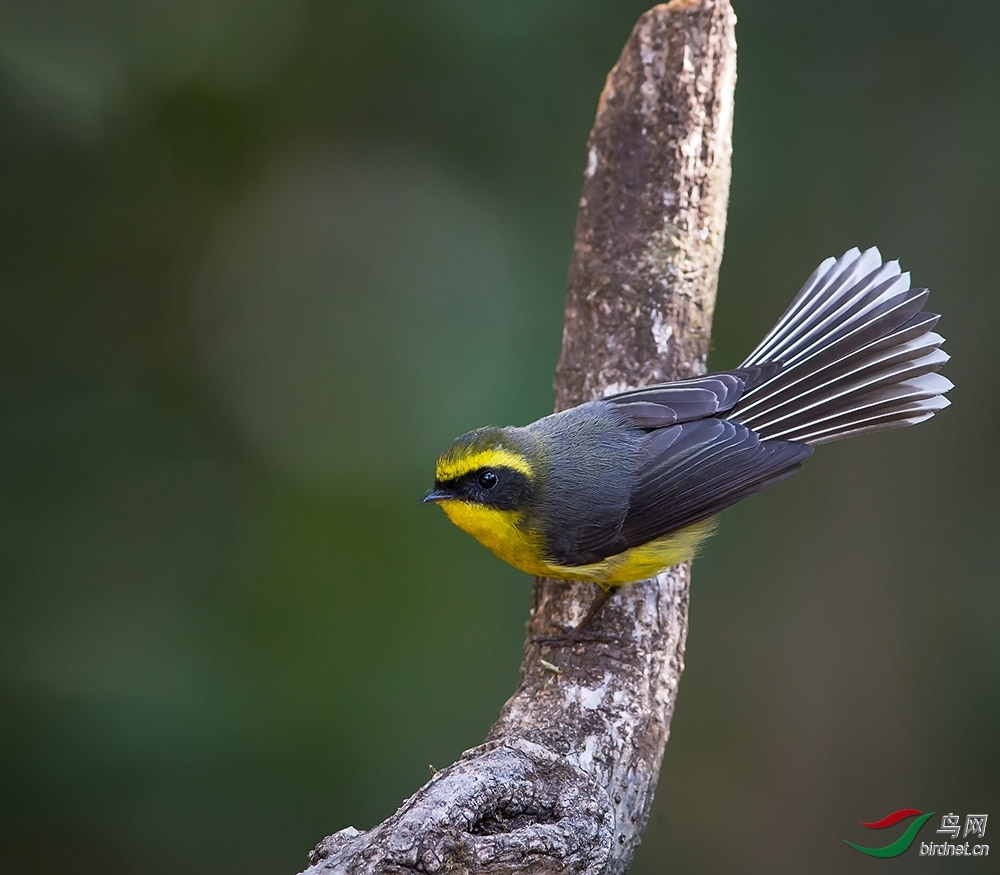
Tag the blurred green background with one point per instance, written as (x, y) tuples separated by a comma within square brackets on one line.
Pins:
[(262, 260)]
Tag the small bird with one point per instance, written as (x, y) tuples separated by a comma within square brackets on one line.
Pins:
[(616, 490)]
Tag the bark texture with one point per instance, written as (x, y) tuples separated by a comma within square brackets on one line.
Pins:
[(565, 779)]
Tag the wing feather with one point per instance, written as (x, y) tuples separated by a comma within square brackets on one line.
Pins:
[(710, 465), (662, 405)]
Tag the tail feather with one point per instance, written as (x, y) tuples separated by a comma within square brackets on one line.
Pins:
[(895, 401), (823, 293), (900, 417), (836, 355), (857, 354), (810, 398)]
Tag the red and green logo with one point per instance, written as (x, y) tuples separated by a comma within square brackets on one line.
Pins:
[(904, 841)]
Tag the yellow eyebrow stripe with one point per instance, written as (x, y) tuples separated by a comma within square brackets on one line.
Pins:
[(452, 469)]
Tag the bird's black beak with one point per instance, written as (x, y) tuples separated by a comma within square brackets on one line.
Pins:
[(437, 495)]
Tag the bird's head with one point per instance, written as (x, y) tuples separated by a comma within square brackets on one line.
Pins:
[(487, 470)]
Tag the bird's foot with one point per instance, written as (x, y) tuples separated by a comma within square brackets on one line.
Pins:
[(574, 636)]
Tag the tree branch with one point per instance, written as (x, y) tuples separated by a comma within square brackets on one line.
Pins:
[(565, 779)]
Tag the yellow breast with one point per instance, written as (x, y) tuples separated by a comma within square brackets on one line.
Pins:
[(500, 532)]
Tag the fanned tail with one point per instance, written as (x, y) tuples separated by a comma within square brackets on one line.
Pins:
[(857, 354)]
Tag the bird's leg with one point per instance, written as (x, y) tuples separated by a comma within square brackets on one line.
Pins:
[(571, 636), (595, 608)]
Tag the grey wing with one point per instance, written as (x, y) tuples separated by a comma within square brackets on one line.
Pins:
[(694, 470), (655, 407)]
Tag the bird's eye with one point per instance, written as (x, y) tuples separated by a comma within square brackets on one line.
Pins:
[(488, 480)]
